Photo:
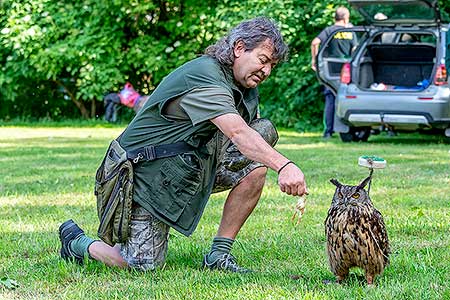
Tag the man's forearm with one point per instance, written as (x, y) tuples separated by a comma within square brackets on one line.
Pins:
[(249, 142), (252, 145), (314, 50)]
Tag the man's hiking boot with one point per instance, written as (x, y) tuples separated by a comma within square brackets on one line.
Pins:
[(225, 262), (68, 231)]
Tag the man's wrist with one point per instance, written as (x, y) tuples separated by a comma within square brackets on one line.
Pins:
[(284, 166)]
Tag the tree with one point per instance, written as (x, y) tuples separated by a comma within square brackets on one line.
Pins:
[(79, 50), (87, 48)]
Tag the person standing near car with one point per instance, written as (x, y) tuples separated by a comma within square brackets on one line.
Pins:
[(340, 46), (206, 111)]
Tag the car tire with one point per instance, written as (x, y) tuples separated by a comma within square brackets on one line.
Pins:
[(361, 134), (346, 137), (355, 134)]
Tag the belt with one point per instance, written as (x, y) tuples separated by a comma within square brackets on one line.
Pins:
[(149, 153)]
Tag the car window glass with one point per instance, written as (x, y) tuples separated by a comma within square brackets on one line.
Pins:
[(427, 38), (404, 38), (399, 11)]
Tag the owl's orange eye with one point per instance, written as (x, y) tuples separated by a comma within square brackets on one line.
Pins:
[(355, 195), (340, 195)]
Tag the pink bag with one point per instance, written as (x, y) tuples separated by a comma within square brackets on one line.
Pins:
[(128, 95)]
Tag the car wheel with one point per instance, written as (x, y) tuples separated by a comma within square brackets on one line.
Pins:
[(346, 137), (355, 134), (361, 134)]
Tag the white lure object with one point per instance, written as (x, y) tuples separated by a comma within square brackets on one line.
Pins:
[(372, 162)]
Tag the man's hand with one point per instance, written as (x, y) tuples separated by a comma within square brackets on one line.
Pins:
[(292, 181)]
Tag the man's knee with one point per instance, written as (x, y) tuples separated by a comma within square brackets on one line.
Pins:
[(266, 129), (146, 248), (256, 178)]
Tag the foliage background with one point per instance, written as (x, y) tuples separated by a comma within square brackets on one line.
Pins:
[(58, 58)]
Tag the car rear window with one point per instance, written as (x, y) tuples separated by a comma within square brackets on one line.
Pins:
[(400, 12), (405, 37)]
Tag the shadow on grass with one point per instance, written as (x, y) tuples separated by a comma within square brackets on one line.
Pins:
[(409, 139), (75, 123), (383, 138), (32, 166), (37, 215)]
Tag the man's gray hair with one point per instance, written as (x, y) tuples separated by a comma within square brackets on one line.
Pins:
[(252, 33)]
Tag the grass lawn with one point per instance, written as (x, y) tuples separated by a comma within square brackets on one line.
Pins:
[(47, 176)]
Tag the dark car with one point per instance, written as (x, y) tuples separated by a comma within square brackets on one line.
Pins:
[(396, 78)]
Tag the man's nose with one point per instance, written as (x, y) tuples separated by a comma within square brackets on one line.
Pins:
[(266, 70)]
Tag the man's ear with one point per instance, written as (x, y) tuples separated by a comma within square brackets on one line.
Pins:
[(239, 48)]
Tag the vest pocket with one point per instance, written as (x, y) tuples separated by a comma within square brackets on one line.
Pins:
[(114, 192), (174, 187)]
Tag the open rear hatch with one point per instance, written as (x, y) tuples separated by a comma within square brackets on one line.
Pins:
[(388, 60), (399, 12), (402, 64)]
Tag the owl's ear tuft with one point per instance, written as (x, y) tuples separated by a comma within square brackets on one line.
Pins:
[(364, 182), (335, 182)]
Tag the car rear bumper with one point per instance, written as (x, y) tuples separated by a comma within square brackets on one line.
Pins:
[(397, 119), (403, 111)]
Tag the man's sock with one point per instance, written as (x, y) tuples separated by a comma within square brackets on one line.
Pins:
[(220, 246), (79, 246)]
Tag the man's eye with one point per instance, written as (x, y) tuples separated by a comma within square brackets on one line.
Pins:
[(355, 195)]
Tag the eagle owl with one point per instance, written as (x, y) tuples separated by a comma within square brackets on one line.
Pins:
[(356, 234)]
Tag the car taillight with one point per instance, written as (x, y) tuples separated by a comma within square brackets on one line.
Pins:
[(346, 76), (441, 75)]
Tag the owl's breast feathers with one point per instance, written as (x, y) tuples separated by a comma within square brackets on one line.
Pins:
[(356, 237)]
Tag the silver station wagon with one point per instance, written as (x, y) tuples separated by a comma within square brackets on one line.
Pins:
[(396, 77)]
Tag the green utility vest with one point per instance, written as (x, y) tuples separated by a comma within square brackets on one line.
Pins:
[(176, 189)]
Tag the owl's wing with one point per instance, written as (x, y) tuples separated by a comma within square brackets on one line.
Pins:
[(333, 241), (380, 234), (331, 216)]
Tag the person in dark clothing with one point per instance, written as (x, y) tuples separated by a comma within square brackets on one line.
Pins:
[(112, 103), (340, 46), (128, 96)]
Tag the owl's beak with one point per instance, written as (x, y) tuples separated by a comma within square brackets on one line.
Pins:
[(353, 203)]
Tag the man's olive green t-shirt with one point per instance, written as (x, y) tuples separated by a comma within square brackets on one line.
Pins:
[(180, 109), (201, 104)]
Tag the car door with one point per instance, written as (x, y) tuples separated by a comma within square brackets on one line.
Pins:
[(329, 64)]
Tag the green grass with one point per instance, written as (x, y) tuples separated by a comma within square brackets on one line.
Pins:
[(47, 176)]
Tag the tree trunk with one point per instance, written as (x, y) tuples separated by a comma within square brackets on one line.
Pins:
[(84, 112), (93, 108)]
